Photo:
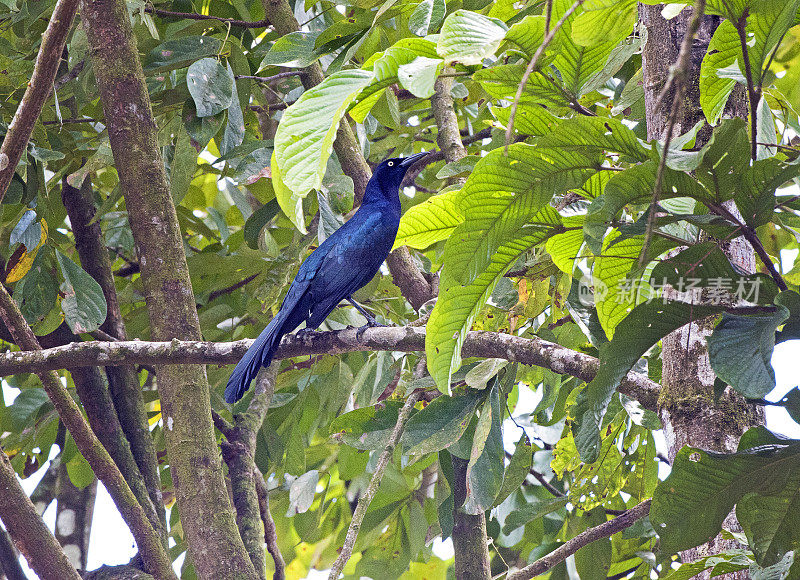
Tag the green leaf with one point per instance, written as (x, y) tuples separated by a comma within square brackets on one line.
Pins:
[(604, 21), (304, 139), (440, 424), (367, 428), (21, 414), (464, 165), (234, 130), (37, 292), (765, 131), (27, 232), (257, 220), (294, 50), (615, 294), (502, 81), (419, 75), (528, 35), (181, 52), (84, 304), (431, 221), (690, 505), (79, 471), (468, 37), (577, 64), (593, 560), (769, 21), (740, 350), (183, 166), (635, 335), (211, 86), (593, 135), (427, 17), (791, 300), (478, 376), (531, 511), (517, 470), (502, 202), (704, 265), (486, 460)]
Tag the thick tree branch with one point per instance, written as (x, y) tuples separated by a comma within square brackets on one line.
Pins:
[(33, 538), (531, 351), (116, 412), (194, 16), (39, 88), (372, 487), (238, 452), (153, 554), (207, 517), (604, 530)]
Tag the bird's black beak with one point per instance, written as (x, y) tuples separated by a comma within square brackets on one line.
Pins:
[(412, 159)]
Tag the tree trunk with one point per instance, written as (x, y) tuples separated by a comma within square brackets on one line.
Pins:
[(687, 406), (207, 516), (74, 511)]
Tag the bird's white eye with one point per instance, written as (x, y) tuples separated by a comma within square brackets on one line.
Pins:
[(391, 164)]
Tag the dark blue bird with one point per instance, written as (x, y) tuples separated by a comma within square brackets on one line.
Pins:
[(342, 264)]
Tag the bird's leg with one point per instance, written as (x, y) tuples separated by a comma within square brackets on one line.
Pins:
[(370, 319)]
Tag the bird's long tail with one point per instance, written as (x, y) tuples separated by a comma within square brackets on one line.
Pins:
[(258, 355)]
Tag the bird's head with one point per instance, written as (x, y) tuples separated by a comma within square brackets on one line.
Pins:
[(390, 172)]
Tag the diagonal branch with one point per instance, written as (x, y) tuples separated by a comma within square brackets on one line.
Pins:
[(604, 530), (39, 87), (155, 557), (530, 351), (549, 36), (372, 488)]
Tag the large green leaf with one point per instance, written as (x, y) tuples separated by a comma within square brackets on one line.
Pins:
[(468, 37), (304, 139), (577, 64), (593, 135), (616, 294), (486, 460), (691, 504), (502, 202), (740, 350), (769, 21), (367, 428), (517, 470), (426, 17), (603, 21), (84, 304), (440, 424), (502, 81), (181, 52), (211, 86), (723, 51), (295, 49), (419, 75), (429, 222), (635, 335)]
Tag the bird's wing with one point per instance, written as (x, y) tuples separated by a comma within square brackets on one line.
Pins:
[(352, 258)]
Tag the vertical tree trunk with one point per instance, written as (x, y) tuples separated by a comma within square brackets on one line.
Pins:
[(687, 407), (74, 512), (207, 516)]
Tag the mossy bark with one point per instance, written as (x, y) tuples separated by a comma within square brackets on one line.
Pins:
[(687, 405), (207, 516)]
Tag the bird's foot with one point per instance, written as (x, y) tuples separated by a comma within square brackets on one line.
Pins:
[(360, 331)]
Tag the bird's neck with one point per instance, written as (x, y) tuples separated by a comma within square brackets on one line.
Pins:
[(376, 197)]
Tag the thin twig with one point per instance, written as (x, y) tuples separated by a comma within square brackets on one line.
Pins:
[(38, 90), (546, 484), (194, 16), (275, 77), (677, 81), (753, 92), (532, 65), (270, 531), (372, 488), (604, 530)]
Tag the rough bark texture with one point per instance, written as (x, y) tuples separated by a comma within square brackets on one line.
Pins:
[(74, 512), (530, 351), (687, 408), (152, 551), (123, 381), (207, 516), (469, 532), (31, 536)]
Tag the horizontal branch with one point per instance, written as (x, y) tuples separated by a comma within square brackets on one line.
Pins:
[(194, 16), (530, 351)]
